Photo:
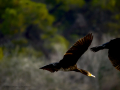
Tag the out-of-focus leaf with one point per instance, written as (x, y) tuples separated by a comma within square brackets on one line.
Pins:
[(1, 53)]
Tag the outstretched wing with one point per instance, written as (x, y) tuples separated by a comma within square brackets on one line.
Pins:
[(115, 61), (75, 52)]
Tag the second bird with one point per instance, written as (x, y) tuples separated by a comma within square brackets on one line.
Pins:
[(113, 47)]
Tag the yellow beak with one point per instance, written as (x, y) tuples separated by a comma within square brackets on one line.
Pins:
[(91, 75)]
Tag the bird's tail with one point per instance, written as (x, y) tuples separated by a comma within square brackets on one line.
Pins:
[(97, 48), (51, 67)]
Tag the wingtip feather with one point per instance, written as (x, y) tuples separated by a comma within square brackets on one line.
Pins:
[(89, 36)]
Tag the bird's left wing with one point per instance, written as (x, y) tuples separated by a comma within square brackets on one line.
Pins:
[(75, 52), (115, 61)]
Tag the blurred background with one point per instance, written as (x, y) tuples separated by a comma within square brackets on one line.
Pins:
[(34, 33)]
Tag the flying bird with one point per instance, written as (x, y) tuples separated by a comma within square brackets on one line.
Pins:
[(113, 47), (68, 63)]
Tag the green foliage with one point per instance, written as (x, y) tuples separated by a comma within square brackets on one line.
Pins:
[(113, 6), (28, 51), (70, 4), (37, 13), (105, 4), (60, 8), (17, 18), (57, 41), (1, 53), (66, 4), (60, 40), (17, 15)]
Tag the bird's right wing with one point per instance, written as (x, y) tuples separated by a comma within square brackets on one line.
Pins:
[(75, 52)]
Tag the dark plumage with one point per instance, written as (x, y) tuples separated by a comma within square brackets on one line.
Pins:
[(113, 47), (68, 63)]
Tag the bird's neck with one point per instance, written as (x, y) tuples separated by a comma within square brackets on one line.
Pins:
[(82, 71)]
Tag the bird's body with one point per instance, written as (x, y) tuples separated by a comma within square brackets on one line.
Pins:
[(70, 68), (113, 47), (68, 63)]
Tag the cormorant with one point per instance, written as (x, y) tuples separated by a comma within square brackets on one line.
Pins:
[(113, 47), (68, 63)]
